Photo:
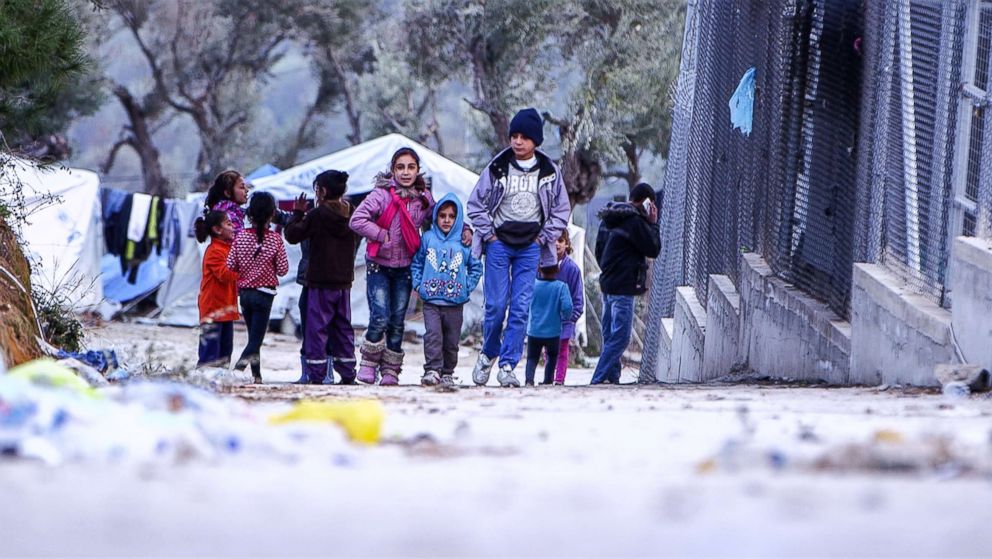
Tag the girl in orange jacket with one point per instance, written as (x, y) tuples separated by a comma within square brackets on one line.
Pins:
[(218, 300)]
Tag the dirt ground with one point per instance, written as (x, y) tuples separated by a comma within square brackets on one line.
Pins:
[(753, 470)]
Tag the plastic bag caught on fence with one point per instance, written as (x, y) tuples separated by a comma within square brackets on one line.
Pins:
[(742, 103)]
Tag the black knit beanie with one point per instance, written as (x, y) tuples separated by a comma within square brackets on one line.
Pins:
[(640, 192), (333, 181), (528, 122)]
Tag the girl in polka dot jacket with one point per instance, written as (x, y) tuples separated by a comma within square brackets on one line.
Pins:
[(259, 257)]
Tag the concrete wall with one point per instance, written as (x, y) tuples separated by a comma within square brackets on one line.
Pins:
[(721, 352), (772, 328), (786, 333), (663, 372), (898, 337), (970, 284), (688, 337)]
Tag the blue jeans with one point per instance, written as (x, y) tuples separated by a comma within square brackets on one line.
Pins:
[(255, 308), (508, 284), (618, 318), (388, 292)]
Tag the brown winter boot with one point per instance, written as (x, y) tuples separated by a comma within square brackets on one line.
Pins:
[(392, 362), (371, 357)]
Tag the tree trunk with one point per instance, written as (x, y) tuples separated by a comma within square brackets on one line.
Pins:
[(633, 174), (19, 333), (140, 140), (580, 169)]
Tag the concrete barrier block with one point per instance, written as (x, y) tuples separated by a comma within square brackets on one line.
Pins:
[(665, 351), (787, 333), (898, 336), (688, 337), (970, 285), (721, 349)]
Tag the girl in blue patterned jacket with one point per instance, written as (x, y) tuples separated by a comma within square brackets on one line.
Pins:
[(444, 273)]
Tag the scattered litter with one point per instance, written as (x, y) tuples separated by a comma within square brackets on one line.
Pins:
[(885, 451), (360, 419), (216, 377), (51, 414), (956, 390), (103, 360), (48, 373), (974, 377), (84, 371)]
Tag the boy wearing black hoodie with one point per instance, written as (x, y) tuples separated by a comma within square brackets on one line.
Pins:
[(628, 236)]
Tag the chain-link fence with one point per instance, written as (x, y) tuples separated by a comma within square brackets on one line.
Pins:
[(861, 130)]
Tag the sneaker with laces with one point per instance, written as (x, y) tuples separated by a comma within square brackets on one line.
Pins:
[(480, 374), (448, 381), (430, 378), (506, 377)]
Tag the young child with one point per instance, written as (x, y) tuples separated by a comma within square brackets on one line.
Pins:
[(570, 275), (390, 218), (259, 258), (228, 194), (549, 308), (519, 208), (444, 274), (218, 300), (330, 273)]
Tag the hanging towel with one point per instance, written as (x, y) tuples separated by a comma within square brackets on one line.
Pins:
[(742, 103), (140, 206)]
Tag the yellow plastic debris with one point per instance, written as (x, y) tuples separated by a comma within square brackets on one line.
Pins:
[(46, 372), (360, 419), (888, 436)]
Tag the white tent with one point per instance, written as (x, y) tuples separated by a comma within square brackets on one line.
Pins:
[(65, 237), (363, 162)]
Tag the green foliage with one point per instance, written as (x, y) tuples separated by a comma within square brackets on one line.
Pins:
[(501, 48), (43, 69), (60, 325), (630, 55)]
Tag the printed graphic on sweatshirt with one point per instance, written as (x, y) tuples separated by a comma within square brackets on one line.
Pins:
[(447, 266), (520, 202)]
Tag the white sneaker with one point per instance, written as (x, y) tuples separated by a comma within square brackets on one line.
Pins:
[(480, 374), (506, 377), (430, 378)]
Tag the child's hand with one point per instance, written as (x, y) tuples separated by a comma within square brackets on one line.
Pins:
[(300, 204)]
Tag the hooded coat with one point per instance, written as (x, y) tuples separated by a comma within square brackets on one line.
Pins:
[(444, 271), (625, 241), (333, 244)]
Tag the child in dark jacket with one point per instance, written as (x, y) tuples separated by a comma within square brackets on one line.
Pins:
[(444, 274), (218, 299), (330, 273), (570, 274), (549, 308)]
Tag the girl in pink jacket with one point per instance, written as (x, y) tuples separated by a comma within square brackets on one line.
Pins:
[(390, 218)]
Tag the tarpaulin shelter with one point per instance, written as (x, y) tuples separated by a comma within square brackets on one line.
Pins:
[(64, 234)]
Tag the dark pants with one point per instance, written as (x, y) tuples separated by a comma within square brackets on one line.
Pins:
[(328, 324), (443, 331), (255, 308), (388, 291), (534, 348), (216, 344)]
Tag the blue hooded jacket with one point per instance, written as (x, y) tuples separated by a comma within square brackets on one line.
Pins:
[(444, 271)]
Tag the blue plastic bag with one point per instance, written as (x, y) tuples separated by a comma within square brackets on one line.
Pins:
[(742, 103)]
